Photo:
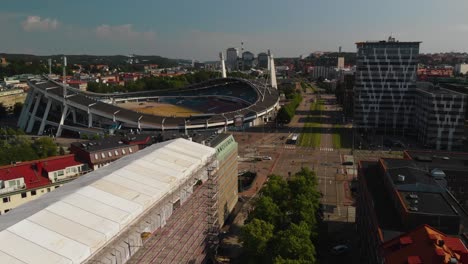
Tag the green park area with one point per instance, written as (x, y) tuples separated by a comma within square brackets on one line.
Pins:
[(311, 136)]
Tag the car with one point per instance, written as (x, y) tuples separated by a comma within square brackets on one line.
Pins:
[(266, 158), (340, 249)]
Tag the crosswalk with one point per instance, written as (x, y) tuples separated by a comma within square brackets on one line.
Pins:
[(327, 149), (290, 146)]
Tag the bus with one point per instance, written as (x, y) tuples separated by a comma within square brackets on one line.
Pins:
[(293, 139)]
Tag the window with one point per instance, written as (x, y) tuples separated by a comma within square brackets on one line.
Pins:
[(103, 155), (48, 189), (24, 195), (33, 192), (68, 170), (56, 187), (123, 152), (6, 199), (60, 173), (7, 210), (110, 154), (96, 156), (116, 153)]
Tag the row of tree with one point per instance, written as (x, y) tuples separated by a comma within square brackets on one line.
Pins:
[(283, 226), (287, 112), (160, 82), (16, 146)]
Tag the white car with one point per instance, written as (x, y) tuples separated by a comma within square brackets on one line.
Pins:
[(266, 158)]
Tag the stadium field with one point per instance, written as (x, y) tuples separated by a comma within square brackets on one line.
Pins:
[(159, 109)]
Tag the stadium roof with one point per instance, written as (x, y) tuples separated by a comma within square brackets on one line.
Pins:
[(72, 223)]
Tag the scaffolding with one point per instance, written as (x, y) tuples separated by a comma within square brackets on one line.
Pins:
[(191, 233), (212, 232)]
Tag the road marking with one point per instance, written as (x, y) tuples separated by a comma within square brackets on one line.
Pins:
[(327, 149), (290, 147)]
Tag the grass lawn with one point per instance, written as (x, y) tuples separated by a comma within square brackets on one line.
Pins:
[(336, 138), (311, 136)]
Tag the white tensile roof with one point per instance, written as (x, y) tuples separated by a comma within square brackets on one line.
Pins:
[(71, 223)]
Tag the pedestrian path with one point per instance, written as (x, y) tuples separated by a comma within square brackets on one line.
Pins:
[(327, 149)]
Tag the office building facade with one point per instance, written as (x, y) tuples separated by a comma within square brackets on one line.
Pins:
[(232, 55), (385, 84), (440, 118)]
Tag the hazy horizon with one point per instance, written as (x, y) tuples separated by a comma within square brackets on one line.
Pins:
[(200, 30)]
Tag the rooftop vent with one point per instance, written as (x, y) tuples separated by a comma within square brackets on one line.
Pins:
[(401, 178), (412, 196), (413, 209)]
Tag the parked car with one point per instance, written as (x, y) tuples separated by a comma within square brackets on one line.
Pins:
[(266, 158), (340, 249)]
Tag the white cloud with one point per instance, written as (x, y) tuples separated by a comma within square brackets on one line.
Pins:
[(36, 23), (123, 33)]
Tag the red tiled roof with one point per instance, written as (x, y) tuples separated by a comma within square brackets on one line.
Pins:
[(428, 246), (414, 260), (35, 172), (405, 240)]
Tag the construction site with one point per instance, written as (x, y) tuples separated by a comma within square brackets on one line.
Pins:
[(164, 204)]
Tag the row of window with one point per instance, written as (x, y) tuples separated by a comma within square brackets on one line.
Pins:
[(7, 199), (110, 153)]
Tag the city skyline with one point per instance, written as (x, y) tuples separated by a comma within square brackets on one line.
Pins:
[(199, 30)]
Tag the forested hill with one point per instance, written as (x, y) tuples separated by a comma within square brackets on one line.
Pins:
[(95, 59)]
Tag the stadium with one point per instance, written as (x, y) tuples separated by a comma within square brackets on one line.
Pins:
[(217, 103)]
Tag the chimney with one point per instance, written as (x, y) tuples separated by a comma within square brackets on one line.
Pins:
[(39, 167)]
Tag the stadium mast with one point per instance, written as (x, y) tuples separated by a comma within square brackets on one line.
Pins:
[(223, 67), (272, 70)]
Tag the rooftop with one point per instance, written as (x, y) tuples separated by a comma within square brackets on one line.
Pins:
[(387, 216), (34, 172), (426, 245), (410, 177), (74, 222), (111, 142)]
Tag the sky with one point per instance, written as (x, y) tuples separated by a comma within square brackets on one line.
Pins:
[(200, 29)]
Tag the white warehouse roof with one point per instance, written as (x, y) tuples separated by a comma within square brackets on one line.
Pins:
[(70, 224)]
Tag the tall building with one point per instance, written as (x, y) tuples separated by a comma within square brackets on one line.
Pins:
[(247, 59), (341, 62), (262, 59), (461, 68), (385, 84), (232, 55), (439, 117)]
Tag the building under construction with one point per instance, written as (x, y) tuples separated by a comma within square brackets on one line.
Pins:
[(163, 204)]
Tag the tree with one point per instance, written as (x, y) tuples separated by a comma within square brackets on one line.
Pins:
[(255, 237), (61, 151), (294, 243), (276, 188), (267, 210), (45, 147), (17, 107)]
